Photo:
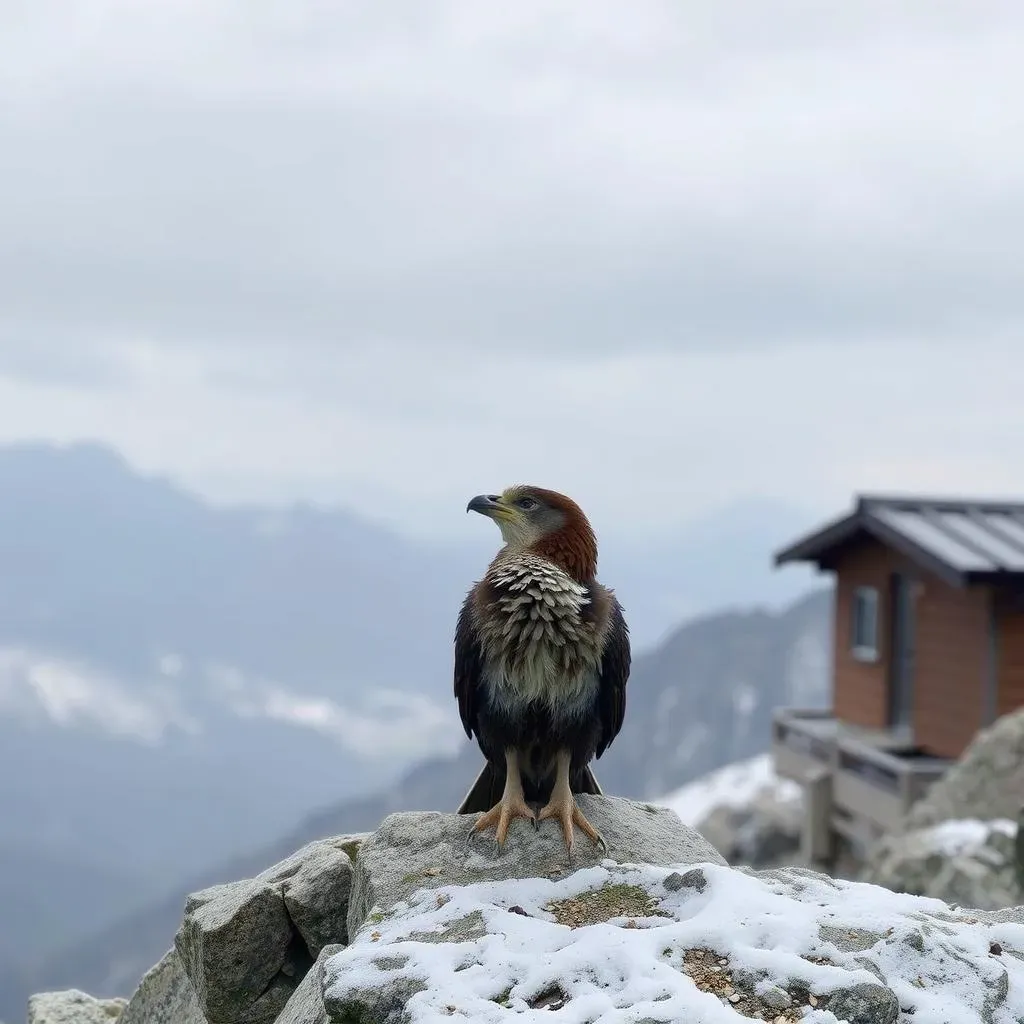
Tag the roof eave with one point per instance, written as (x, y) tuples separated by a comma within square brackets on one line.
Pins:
[(1008, 576), (816, 546), (812, 546)]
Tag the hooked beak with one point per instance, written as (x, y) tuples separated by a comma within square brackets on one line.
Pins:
[(487, 505)]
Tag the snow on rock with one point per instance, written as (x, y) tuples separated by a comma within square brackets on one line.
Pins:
[(413, 849), (987, 782), (960, 843), (749, 814), (655, 928), (737, 785), (967, 862), (967, 835), (704, 944)]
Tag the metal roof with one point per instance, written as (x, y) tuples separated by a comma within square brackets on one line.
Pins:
[(961, 540)]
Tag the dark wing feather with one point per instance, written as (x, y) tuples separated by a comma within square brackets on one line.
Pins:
[(468, 665), (614, 673)]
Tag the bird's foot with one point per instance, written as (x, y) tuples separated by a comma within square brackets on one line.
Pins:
[(564, 808), (500, 817)]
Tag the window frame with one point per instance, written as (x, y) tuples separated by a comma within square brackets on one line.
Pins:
[(864, 623)]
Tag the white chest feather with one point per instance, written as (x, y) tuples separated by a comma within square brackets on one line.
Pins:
[(542, 644)]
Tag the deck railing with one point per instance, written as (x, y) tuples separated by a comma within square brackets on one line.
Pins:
[(794, 728), (874, 781)]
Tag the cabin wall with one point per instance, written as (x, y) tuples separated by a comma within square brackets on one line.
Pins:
[(861, 690), (1010, 672), (953, 670), (952, 652)]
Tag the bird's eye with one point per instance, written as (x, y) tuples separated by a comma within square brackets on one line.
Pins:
[(526, 503)]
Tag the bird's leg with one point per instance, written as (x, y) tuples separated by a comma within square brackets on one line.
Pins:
[(562, 806), (511, 805)]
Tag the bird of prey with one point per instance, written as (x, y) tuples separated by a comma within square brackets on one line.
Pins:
[(542, 656)]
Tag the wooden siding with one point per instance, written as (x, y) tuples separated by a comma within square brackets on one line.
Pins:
[(1010, 693), (952, 670), (861, 691), (952, 651)]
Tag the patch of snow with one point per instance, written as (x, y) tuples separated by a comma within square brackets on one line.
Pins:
[(765, 925), (735, 785), (953, 838), (72, 694)]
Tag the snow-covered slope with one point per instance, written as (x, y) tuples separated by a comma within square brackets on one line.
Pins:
[(702, 673), (736, 785), (713, 945)]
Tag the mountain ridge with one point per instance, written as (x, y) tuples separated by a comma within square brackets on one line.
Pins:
[(169, 668), (723, 655)]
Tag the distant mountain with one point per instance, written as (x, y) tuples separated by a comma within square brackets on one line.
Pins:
[(168, 669), (181, 682), (701, 700), (80, 896)]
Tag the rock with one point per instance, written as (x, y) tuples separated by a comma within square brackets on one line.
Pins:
[(625, 945), (865, 1004), (73, 1007), (776, 999), (374, 1003), (306, 1005), (849, 940), (968, 863), (315, 883), (980, 793), (764, 833), (692, 879), (428, 849), (986, 783), (234, 945), (246, 946), (164, 996)]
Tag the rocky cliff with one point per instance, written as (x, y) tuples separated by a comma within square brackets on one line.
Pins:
[(700, 700), (419, 922), (962, 843)]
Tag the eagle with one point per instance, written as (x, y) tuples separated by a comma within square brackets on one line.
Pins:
[(542, 657)]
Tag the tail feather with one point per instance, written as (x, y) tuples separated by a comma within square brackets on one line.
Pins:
[(485, 791), (587, 782), (490, 783)]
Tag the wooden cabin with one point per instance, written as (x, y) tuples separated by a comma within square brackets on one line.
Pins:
[(928, 649)]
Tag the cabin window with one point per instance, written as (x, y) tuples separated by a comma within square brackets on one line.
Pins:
[(864, 632)]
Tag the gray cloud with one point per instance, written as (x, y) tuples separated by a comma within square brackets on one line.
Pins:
[(661, 256), (550, 179)]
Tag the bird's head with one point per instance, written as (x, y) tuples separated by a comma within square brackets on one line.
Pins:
[(545, 523)]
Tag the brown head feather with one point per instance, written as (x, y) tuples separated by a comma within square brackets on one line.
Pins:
[(573, 545)]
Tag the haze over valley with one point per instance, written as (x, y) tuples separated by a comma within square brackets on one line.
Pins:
[(182, 683)]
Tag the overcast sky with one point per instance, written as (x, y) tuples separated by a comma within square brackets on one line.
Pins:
[(661, 255)]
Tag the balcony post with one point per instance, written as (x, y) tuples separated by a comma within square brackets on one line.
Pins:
[(817, 840), (1020, 851)]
